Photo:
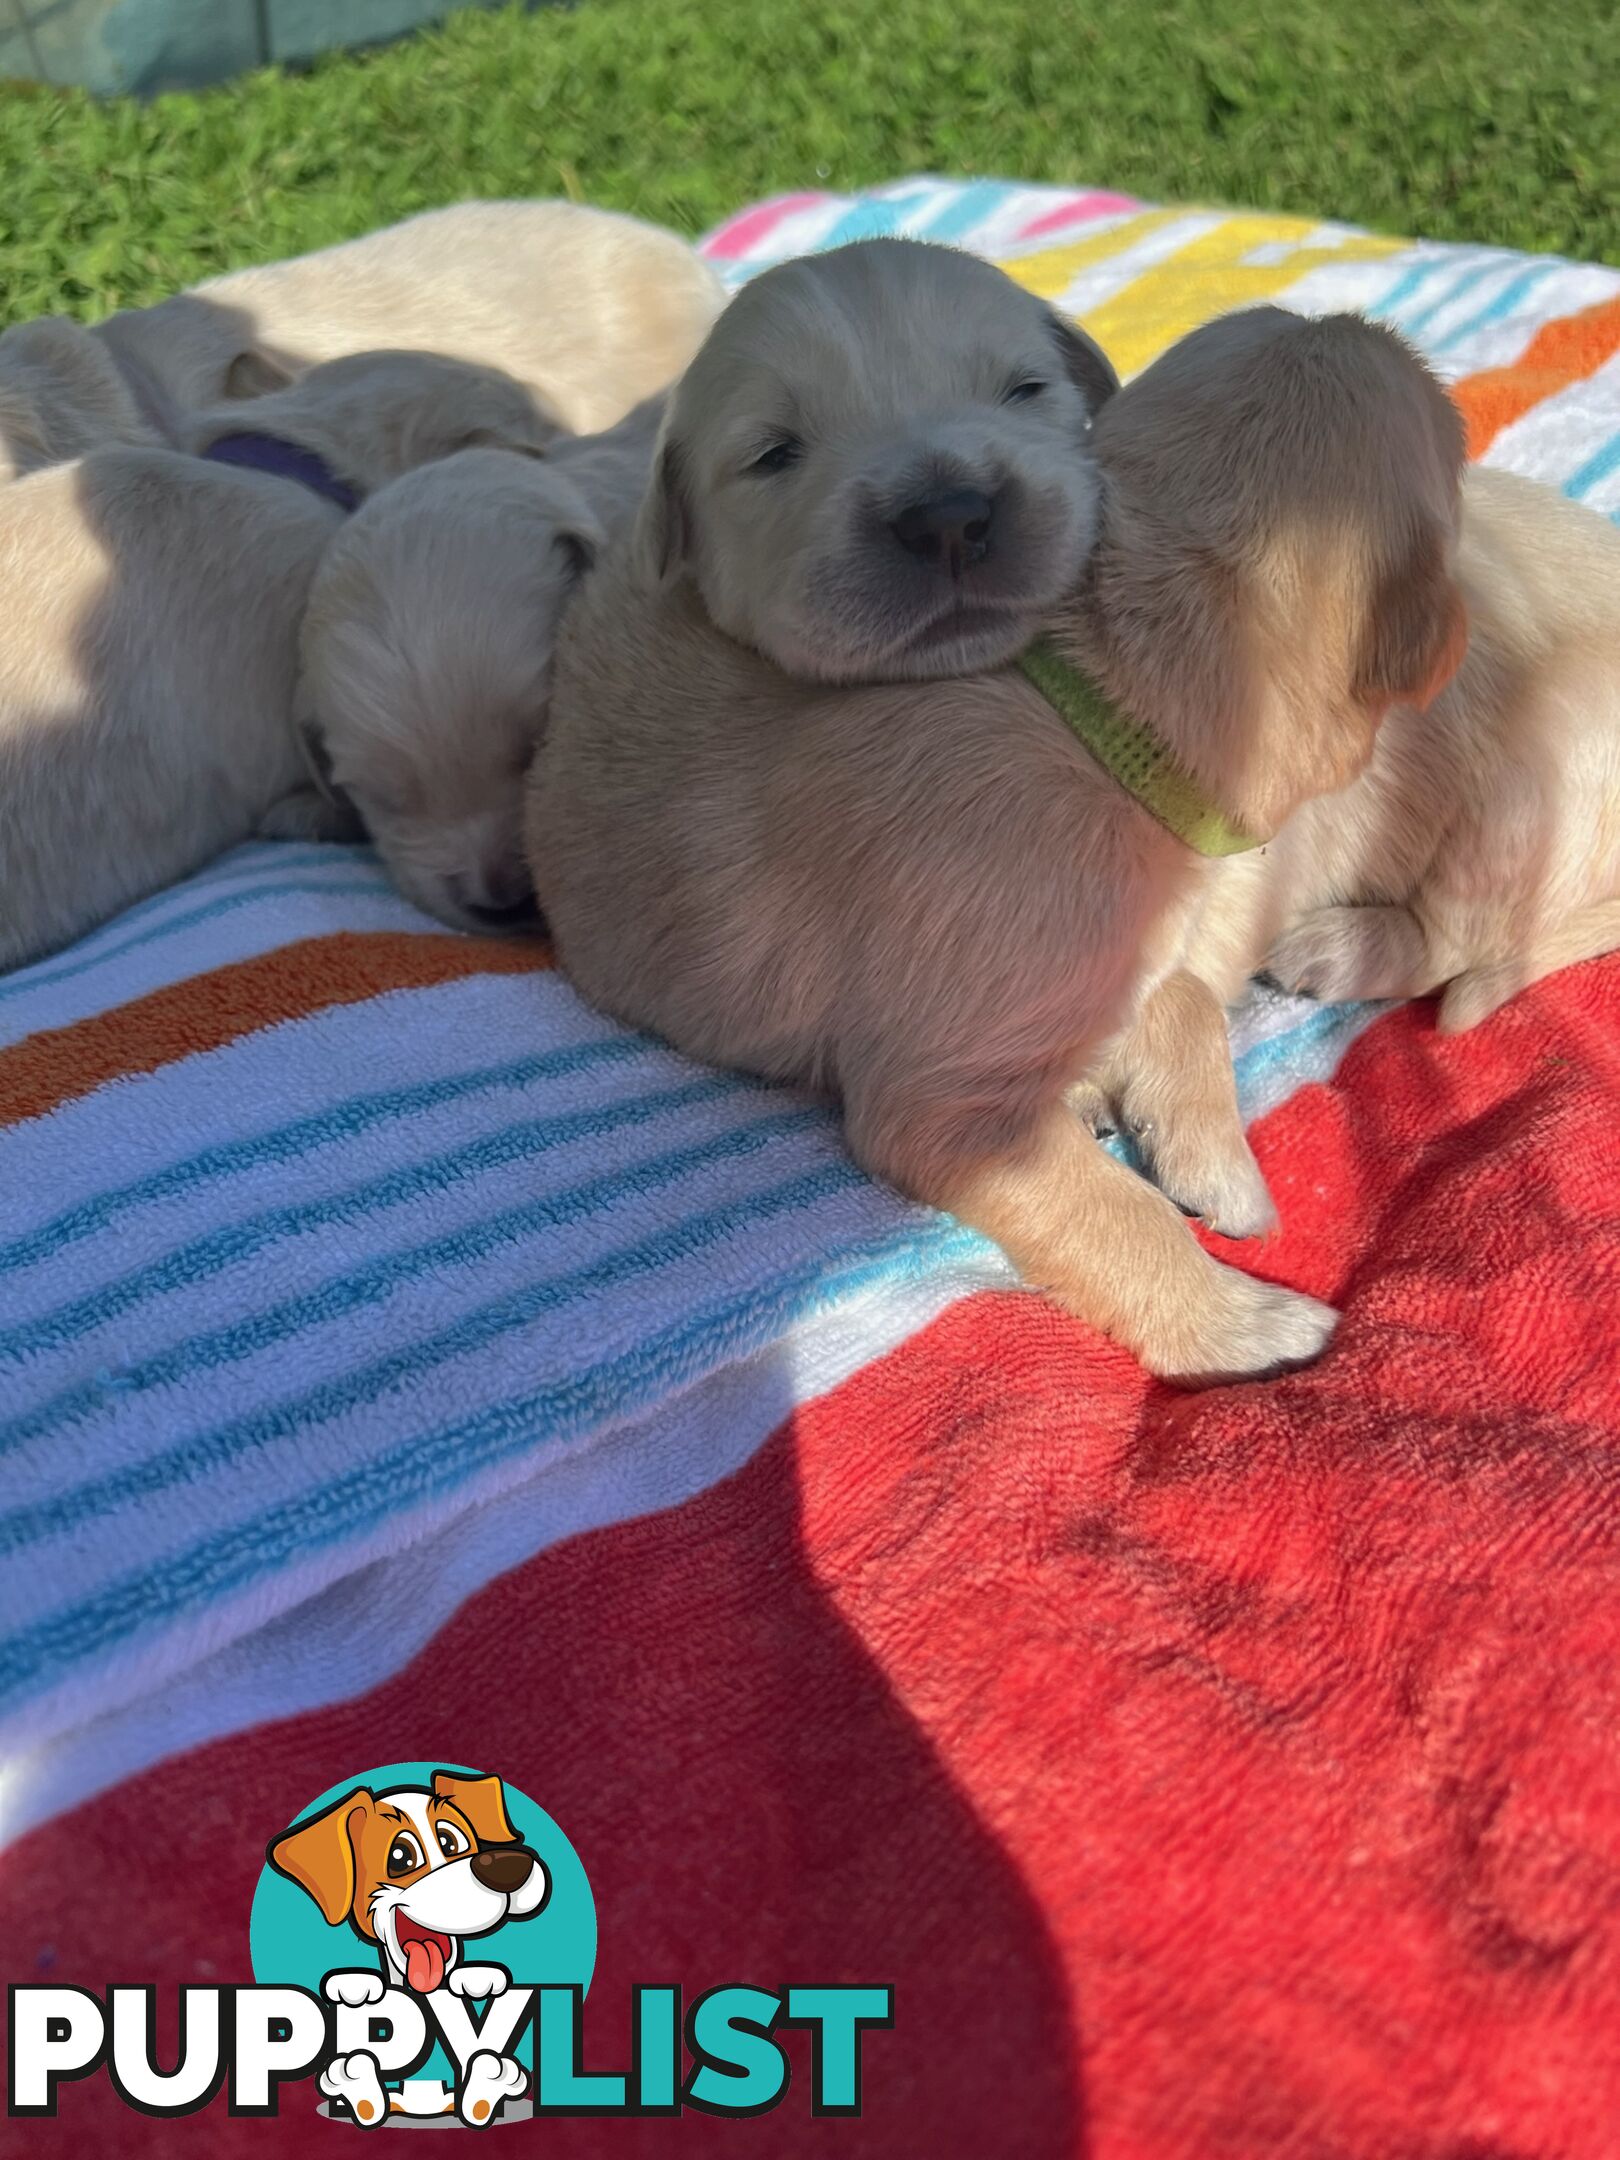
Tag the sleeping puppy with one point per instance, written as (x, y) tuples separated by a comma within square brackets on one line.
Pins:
[(152, 603), (61, 393), (935, 900), (427, 647), (873, 470), (591, 311), (362, 421)]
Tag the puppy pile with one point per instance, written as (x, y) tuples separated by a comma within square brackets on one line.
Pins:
[(221, 619), (899, 708)]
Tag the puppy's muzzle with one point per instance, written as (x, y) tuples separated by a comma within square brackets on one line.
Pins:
[(503, 1869), (952, 530)]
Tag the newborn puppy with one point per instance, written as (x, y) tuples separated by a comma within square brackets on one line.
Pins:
[(371, 417), (427, 649), (61, 393), (936, 900), (590, 310), (152, 603), (1481, 850), (873, 467)]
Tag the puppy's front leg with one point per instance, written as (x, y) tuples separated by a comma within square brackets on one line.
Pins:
[(1336, 953), (1082, 1227), (1170, 1079)]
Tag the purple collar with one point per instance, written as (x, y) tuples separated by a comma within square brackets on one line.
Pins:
[(283, 461)]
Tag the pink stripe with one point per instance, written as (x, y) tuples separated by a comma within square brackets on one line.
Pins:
[(1098, 203), (747, 230)]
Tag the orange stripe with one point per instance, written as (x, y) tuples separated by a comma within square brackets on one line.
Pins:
[(206, 1011), (1562, 352)]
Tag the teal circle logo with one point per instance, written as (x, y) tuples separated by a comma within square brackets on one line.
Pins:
[(400, 1871)]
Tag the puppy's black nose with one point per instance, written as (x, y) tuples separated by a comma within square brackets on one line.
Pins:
[(504, 1868), (523, 914), (952, 530)]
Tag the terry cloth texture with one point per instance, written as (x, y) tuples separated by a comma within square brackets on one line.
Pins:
[(1213, 1775)]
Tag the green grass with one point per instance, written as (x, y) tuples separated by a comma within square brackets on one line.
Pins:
[(1461, 119)]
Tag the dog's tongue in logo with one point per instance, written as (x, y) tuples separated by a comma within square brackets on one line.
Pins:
[(425, 1954)]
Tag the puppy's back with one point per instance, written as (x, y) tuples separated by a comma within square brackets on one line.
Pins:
[(151, 604)]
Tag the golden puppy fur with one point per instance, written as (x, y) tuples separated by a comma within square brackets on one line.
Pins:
[(427, 647), (591, 311), (152, 604), (1480, 849), (61, 393), (930, 899)]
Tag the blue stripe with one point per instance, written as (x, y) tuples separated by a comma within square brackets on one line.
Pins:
[(344, 1296), (1414, 325), (955, 218), (217, 878), (1515, 290), (339, 1121), (40, 979), (1597, 467), (187, 1265), (425, 1468), (261, 860), (863, 221), (1408, 283), (1309, 1034)]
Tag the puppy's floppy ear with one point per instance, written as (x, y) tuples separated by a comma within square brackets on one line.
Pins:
[(664, 523), (482, 1800), (256, 374), (1085, 363), (318, 1855), (1417, 636)]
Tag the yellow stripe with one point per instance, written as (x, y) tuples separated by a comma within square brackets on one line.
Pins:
[(1205, 278), (1050, 273)]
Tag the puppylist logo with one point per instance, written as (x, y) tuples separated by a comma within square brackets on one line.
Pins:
[(422, 1941)]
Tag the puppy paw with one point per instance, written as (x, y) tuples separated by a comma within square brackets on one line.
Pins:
[(1243, 1331), (1225, 1188), (1321, 957), (477, 1981), (353, 2079), (1092, 1107), (1473, 997), (354, 1989), (490, 2080)]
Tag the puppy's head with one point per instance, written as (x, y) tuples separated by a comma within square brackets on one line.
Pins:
[(426, 657), (416, 1870), (1274, 569), (61, 393), (377, 415), (876, 466)]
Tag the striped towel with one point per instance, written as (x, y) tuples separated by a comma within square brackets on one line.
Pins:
[(348, 1263)]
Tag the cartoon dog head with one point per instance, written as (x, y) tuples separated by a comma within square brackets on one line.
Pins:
[(416, 1870)]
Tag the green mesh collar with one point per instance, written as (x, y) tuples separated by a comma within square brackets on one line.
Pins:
[(1143, 767)]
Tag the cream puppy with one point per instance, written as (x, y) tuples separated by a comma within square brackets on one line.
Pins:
[(1479, 851), (934, 900), (591, 311), (152, 603), (61, 393), (372, 416), (427, 650), (873, 467)]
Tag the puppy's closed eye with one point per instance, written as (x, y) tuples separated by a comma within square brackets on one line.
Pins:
[(778, 456), (1022, 392), (579, 551)]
